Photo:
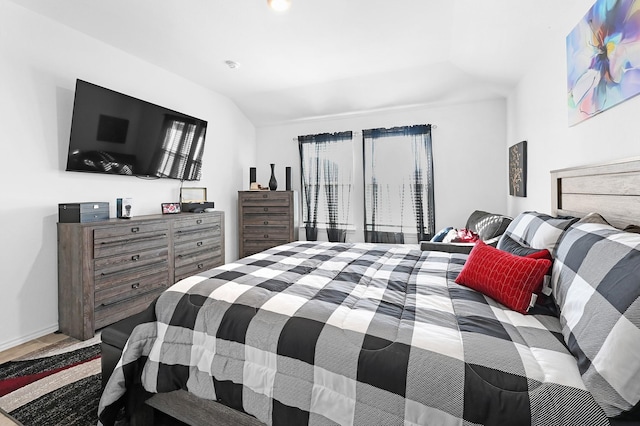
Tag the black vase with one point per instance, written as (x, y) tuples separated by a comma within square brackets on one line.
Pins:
[(311, 233), (273, 183)]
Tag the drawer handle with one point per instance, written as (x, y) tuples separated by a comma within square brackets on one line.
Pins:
[(199, 221), (265, 195), (200, 265), (266, 235), (199, 244), (135, 229), (135, 257), (266, 209), (266, 222), (134, 286)]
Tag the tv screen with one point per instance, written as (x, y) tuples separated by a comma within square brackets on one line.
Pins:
[(118, 134)]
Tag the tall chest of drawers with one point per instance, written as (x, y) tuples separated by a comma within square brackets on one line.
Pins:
[(113, 269), (266, 219)]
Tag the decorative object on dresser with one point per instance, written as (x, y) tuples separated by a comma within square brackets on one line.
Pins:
[(273, 183), (113, 269), (287, 175), (252, 176), (266, 219), (124, 208), (171, 208), (194, 200), (83, 212)]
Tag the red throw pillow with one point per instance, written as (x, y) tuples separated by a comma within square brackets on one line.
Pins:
[(505, 277), (540, 254)]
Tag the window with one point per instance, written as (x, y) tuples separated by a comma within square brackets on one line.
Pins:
[(398, 184), (327, 169)]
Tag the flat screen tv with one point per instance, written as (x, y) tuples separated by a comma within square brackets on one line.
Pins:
[(118, 134)]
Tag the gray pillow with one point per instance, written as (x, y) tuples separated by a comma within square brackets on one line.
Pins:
[(538, 230), (595, 282), (487, 225)]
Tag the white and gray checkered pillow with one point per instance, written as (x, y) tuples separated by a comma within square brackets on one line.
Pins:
[(596, 283), (538, 230)]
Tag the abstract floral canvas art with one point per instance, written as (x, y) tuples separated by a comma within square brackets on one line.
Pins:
[(603, 58), (518, 169)]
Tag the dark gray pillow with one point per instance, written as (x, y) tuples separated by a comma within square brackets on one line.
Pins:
[(510, 245), (487, 225)]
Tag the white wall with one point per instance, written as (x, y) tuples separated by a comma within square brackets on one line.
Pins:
[(470, 170), (40, 63), (537, 112)]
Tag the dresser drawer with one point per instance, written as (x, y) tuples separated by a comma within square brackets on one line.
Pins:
[(115, 278), (196, 222), (206, 245), (129, 288), (124, 262), (128, 244), (273, 212), (252, 246), (128, 230), (106, 314), (194, 264), (266, 198), (265, 232), (198, 236)]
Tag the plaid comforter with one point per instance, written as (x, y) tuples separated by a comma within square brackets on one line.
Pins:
[(355, 334)]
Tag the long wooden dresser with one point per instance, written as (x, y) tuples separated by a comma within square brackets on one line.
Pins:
[(266, 219), (112, 269)]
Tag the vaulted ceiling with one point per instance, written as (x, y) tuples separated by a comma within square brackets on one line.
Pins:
[(326, 57)]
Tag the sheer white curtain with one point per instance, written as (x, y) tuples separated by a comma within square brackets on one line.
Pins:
[(327, 173), (398, 179)]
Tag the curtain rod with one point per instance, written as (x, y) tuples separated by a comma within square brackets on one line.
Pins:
[(356, 133)]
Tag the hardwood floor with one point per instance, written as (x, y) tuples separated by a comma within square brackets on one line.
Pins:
[(6, 421), (31, 346)]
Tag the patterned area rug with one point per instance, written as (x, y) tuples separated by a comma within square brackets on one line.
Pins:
[(59, 385)]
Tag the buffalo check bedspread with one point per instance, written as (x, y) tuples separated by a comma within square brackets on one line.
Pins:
[(354, 334)]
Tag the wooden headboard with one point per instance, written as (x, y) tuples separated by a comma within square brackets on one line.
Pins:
[(611, 189)]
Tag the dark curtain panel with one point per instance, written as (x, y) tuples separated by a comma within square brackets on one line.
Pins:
[(398, 179), (326, 170)]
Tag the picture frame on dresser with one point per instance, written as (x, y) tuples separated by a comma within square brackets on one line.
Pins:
[(170, 208)]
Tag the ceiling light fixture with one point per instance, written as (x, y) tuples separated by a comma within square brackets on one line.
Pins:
[(279, 5)]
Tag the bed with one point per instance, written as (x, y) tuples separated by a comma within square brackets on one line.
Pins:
[(369, 334)]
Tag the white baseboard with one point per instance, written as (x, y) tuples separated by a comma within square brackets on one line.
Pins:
[(27, 338)]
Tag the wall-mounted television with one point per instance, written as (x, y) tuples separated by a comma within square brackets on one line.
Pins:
[(118, 134)]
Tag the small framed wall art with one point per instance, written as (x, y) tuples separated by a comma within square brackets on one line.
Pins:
[(518, 169)]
